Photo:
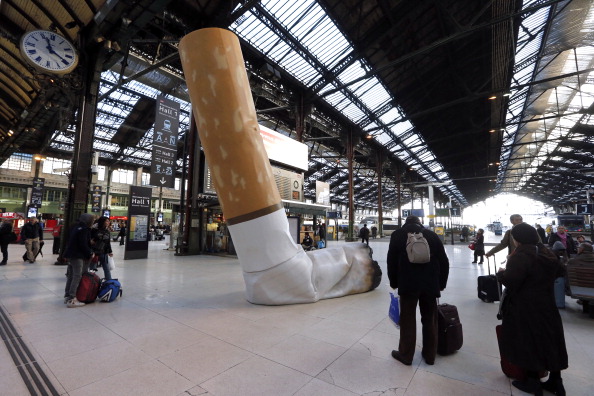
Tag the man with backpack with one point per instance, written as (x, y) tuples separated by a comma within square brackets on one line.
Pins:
[(418, 267)]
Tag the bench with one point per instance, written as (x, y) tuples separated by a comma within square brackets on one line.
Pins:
[(580, 277)]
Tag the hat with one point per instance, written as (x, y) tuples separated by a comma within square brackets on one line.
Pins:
[(413, 220), (558, 245), (525, 233)]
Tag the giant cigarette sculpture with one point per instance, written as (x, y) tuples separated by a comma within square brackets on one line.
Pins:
[(276, 270)]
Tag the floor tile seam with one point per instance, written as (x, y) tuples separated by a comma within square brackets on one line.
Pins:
[(23, 357), (252, 354), (320, 379), (480, 385)]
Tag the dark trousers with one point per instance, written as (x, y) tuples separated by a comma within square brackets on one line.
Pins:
[(4, 248), (56, 246), (408, 326), (479, 254)]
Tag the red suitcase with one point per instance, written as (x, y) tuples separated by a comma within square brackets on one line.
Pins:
[(88, 288), (508, 368)]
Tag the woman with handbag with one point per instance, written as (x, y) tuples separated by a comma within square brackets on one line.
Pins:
[(101, 244), (532, 331), (479, 246)]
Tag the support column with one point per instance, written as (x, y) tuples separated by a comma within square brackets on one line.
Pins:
[(431, 208), (299, 118), (350, 153), (109, 173), (138, 178), (380, 209), (80, 176), (398, 195)]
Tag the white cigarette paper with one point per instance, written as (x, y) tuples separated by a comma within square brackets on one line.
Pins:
[(276, 270)]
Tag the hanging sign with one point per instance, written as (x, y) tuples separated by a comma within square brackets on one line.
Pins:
[(165, 143), (96, 199), (37, 192)]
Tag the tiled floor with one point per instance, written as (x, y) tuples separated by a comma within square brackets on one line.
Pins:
[(183, 327)]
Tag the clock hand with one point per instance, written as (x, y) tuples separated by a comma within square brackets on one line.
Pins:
[(49, 46), (58, 55)]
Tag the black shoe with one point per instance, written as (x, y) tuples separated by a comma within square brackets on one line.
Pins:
[(3, 262), (529, 385), (396, 355), (474, 262), (554, 386), (481, 262), (429, 362)]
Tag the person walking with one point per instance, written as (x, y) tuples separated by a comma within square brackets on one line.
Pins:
[(322, 232), (532, 331), (417, 284), (507, 241), (32, 234), (5, 239), (541, 233), (122, 233), (79, 253), (479, 246), (101, 244), (364, 234), (464, 233)]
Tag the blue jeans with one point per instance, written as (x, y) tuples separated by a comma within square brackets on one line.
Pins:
[(105, 265), (76, 267)]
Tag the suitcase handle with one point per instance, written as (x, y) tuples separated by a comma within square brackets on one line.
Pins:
[(499, 316)]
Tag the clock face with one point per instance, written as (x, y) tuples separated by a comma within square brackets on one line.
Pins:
[(49, 52)]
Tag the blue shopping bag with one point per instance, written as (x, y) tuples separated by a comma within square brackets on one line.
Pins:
[(394, 312)]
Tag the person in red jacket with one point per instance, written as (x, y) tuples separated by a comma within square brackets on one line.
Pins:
[(57, 235)]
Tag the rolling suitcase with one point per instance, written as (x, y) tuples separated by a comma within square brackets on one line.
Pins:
[(449, 329), (488, 288), (88, 288)]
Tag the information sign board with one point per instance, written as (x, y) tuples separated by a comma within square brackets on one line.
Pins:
[(165, 143)]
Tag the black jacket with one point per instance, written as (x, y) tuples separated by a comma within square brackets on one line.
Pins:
[(79, 243), (533, 335), (101, 240), (413, 279), (31, 230), (5, 233), (479, 244)]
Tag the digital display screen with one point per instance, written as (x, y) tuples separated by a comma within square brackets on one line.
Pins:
[(32, 212)]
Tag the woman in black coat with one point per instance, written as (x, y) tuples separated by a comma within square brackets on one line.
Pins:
[(533, 337), (479, 246), (5, 239)]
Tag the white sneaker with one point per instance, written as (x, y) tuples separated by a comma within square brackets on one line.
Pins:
[(74, 303)]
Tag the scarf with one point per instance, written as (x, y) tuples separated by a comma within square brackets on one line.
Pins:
[(563, 238)]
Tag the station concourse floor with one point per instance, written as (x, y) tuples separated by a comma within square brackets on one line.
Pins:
[(184, 327)]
